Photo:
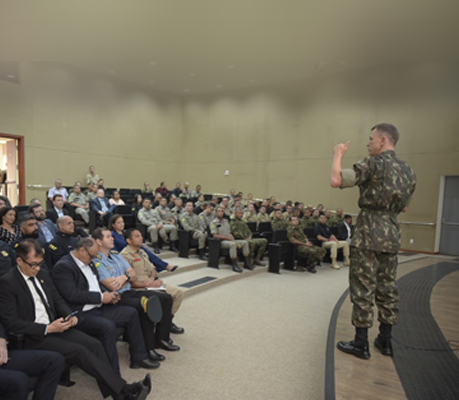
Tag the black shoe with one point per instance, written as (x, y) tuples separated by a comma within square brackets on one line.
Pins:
[(147, 364), (175, 329), (248, 264), (384, 346), (311, 269), (147, 382), (140, 394), (168, 345), (154, 356), (235, 266), (351, 348), (156, 249)]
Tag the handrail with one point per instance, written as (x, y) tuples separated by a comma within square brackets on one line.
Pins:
[(39, 186)]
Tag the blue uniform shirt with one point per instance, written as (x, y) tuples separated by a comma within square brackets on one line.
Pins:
[(112, 266)]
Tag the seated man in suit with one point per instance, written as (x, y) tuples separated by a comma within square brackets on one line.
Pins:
[(7, 258), (329, 241), (58, 189), (77, 281), (58, 209), (17, 366), (345, 229), (32, 306), (116, 275), (46, 228), (102, 207)]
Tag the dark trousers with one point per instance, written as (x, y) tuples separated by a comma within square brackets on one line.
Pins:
[(132, 298), (85, 352), (102, 323), (47, 366)]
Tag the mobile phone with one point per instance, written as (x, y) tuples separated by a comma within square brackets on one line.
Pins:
[(70, 316)]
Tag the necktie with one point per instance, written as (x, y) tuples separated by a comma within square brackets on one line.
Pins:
[(42, 297)]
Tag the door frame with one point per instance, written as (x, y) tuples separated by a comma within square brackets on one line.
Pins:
[(21, 165)]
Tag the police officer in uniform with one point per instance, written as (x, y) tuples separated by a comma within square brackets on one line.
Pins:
[(241, 231), (387, 185), (169, 224), (63, 243), (220, 229), (191, 223), (303, 245), (150, 218)]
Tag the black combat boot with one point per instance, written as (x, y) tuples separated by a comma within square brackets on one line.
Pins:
[(235, 266), (382, 341), (247, 264), (358, 346), (202, 255)]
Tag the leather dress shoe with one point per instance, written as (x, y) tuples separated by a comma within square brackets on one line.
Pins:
[(168, 345), (175, 329), (351, 348), (147, 364), (235, 266), (154, 356), (157, 250), (147, 382), (384, 346)]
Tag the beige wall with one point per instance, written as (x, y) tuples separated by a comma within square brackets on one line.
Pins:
[(72, 119), (278, 140), (274, 140)]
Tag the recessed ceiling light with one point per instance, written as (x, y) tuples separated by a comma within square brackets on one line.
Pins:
[(152, 63), (186, 90), (231, 66), (192, 74), (11, 77)]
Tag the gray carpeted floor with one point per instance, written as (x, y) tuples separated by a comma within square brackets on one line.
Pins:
[(261, 337)]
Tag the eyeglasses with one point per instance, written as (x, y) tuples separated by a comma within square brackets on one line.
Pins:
[(33, 265), (89, 254)]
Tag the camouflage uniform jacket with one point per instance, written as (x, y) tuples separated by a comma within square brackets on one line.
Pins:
[(191, 222), (278, 224), (296, 233), (240, 229), (249, 217), (386, 185), (263, 217)]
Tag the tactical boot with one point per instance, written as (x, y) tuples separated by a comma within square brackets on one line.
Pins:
[(334, 264), (247, 264), (347, 262), (202, 255), (235, 266)]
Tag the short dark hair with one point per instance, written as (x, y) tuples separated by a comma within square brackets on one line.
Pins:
[(128, 233), (87, 243), (98, 233), (33, 207), (56, 196), (347, 216), (24, 218), (4, 210), (389, 130), (27, 246)]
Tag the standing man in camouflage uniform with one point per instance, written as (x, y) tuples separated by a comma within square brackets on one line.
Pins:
[(241, 231), (303, 245), (191, 223), (386, 185), (220, 229)]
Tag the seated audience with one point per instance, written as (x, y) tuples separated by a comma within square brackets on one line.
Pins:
[(232, 194), (147, 276), (307, 221), (169, 224), (92, 177), (241, 231), (63, 243), (116, 226), (43, 324), (9, 231), (336, 219), (136, 204), (207, 216), (116, 199), (196, 193), (199, 207), (157, 200), (172, 198), (178, 209), (7, 258), (76, 279), (278, 221), (4, 201), (58, 189), (178, 189), (263, 215), (102, 207), (184, 194), (152, 220), (191, 223), (220, 229), (162, 188), (47, 230), (80, 202), (92, 192), (116, 275), (147, 188), (345, 229), (100, 184), (329, 241), (186, 186), (58, 209), (250, 215), (18, 366), (288, 213), (297, 236)]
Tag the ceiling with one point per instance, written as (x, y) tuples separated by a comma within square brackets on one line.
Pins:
[(199, 46)]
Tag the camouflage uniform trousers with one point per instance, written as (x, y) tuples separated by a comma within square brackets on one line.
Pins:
[(372, 278), (233, 245), (259, 243), (314, 253)]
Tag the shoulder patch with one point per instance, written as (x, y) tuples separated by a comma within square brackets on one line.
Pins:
[(114, 252), (98, 257), (4, 253), (52, 247)]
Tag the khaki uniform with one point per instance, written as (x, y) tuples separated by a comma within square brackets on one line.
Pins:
[(177, 213), (151, 218), (287, 217), (192, 223), (222, 228), (80, 199), (249, 217), (206, 219), (241, 231), (92, 178), (91, 196), (139, 261), (168, 226), (314, 253)]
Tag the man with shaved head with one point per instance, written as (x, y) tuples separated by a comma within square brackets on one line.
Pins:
[(62, 243)]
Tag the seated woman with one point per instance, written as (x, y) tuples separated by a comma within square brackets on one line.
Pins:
[(136, 205), (9, 231), (116, 226), (116, 199)]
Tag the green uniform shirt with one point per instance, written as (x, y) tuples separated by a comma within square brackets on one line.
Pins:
[(240, 229), (296, 233), (278, 224), (386, 185)]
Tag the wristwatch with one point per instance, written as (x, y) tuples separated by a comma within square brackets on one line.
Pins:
[(128, 276)]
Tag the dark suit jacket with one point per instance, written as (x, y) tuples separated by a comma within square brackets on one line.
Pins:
[(41, 236), (342, 231), (52, 214), (73, 285), (17, 312), (96, 206)]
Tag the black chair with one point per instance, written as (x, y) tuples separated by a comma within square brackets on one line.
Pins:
[(186, 242), (265, 230), (123, 210), (280, 250)]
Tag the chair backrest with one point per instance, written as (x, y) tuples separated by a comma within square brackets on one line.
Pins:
[(264, 227), (279, 235), (334, 230), (252, 226), (123, 210), (124, 192)]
